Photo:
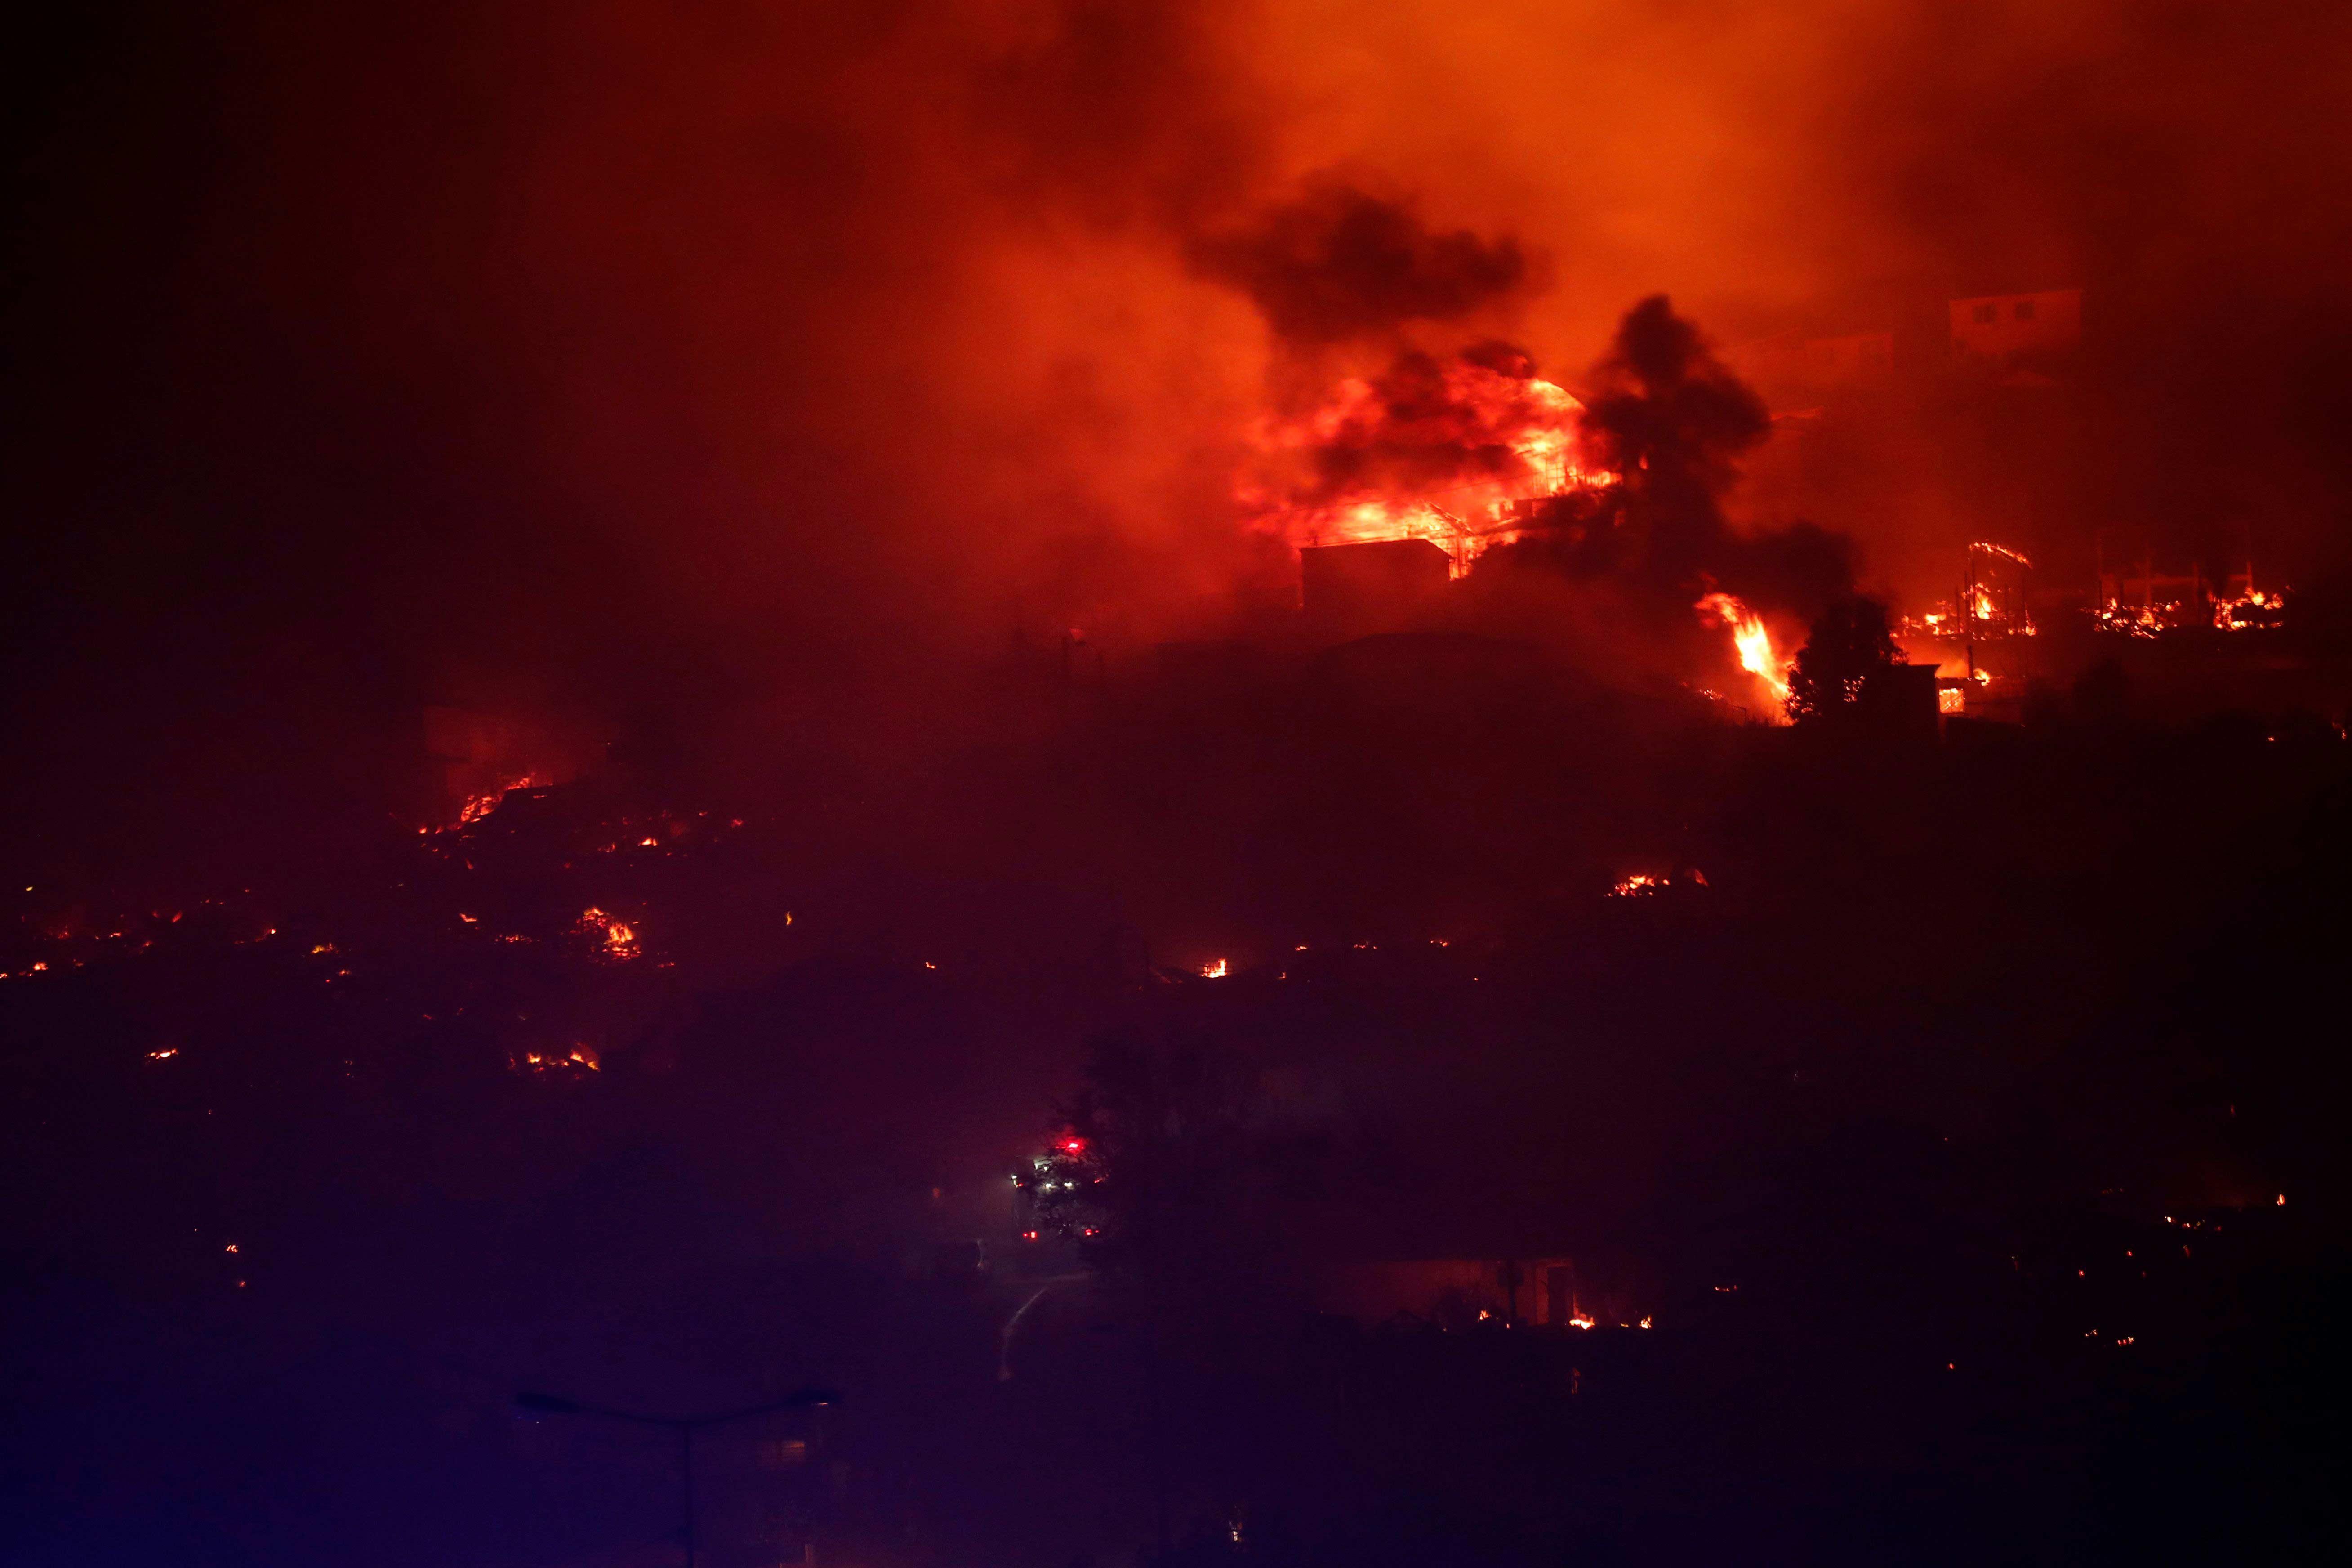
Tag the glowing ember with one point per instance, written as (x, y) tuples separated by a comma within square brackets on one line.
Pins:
[(581, 1059), (2252, 610), (1753, 641), (1649, 885), (2150, 603), (620, 938), (480, 805)]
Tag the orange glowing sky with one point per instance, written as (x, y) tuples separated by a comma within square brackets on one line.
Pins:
[(848, 325)]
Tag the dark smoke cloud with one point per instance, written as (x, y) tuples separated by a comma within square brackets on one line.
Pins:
[(1670, 417), (1339, 263), (1672, 422)]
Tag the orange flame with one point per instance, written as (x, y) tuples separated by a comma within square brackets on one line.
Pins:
[(1753, 641), (480, 805), (620, 939), (1413, 476)]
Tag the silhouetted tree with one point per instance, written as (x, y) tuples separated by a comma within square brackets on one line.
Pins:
[(1845, 647), (1670, 419)]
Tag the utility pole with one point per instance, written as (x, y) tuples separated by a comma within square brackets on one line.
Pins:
[(1968, 610)]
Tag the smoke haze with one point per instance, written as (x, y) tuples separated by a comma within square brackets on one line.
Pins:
[(1339, 263), (619, 357)]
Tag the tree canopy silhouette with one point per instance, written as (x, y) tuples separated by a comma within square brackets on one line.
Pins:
[(1846, 645)]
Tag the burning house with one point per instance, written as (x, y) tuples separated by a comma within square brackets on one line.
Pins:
[(2139, 601), (1443, 451)]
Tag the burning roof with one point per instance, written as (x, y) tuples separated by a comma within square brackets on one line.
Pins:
[(1442, 450)]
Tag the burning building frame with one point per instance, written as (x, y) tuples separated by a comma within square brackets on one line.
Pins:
[(2137, 600)]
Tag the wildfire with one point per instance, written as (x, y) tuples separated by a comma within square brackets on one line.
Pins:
[(1649, 885), (480, 805), (620, 938), (1754, 642), (581, 1059), (2184, 602), (1449, 452), (1215, 968), (2253, 608)]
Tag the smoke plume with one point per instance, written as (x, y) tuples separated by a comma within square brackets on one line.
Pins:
[(1337, 263), (613, 355), (1671, 421)]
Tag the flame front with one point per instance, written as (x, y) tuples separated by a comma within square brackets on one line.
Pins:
[(1753, 641)]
